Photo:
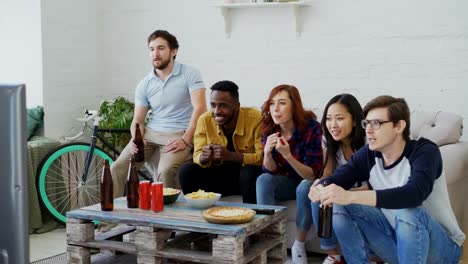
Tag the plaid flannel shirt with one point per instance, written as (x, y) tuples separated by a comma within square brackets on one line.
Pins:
[(306, 147)]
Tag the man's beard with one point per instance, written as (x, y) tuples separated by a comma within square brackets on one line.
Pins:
[(163, 64)]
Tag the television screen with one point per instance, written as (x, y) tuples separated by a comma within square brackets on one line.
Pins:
[(14, 238)]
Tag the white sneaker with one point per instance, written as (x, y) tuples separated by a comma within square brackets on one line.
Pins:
[(298, 253), (331, 260)]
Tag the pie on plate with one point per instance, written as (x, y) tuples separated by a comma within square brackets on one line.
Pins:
[(228, 215)]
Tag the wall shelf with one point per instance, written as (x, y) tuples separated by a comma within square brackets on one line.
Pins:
[(294, 6)]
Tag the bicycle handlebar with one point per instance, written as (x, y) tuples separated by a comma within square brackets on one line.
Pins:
[(92, 115), (89, 115)]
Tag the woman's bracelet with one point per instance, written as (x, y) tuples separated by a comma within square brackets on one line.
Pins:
[(186, 144)]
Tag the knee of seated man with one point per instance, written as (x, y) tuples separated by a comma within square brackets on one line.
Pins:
[(167, 170), (340, 211), (350, 210), (409, 216)]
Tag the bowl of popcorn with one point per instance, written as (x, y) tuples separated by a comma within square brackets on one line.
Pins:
[(170, 195), (201, 199)]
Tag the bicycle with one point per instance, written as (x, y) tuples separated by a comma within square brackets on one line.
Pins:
[(69, 176)]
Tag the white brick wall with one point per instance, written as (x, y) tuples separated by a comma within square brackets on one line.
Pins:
[(416, 49), (20, 47), (72, 52)]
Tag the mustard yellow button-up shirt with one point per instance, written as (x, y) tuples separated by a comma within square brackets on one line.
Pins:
[(246, 136)]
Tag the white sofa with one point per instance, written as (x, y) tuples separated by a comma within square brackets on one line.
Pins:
[(445, 129)]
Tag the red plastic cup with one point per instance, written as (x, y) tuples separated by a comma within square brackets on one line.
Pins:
[(157, 198), (145, 195)]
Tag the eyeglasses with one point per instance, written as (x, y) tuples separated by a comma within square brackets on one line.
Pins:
[(374, 123)]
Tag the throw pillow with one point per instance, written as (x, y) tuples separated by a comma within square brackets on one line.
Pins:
[(441, 127), (34, 120)]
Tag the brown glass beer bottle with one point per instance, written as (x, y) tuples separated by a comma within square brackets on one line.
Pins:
[(140, 155), (107, 191), (133, 198), (325, 218)]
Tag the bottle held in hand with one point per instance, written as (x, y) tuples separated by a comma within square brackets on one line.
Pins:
[(325, 219), (140, 155), (107, 191), (133, 198)]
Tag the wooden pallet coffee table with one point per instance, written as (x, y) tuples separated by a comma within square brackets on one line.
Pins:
[(263, 240)]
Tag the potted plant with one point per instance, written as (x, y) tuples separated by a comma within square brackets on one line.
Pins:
[(116, 113)]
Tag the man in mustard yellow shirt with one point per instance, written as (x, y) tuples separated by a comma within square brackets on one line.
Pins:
[(227, 149)]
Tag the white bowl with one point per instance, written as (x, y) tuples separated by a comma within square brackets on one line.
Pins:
[(203, 202)]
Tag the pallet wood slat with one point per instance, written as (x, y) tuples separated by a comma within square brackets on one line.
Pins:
[(148, 259), (146, 229), (262, 259), (276, 230), (259, 248), (78, 255), (228, 247), (185, 240), (109, 245), (77, 221), (151, 240), (80, 232), (115, 232)]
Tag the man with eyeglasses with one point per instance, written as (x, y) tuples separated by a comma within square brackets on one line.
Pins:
[(406, 217)]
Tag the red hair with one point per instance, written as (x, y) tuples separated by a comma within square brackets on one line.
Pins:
[(300, 115)]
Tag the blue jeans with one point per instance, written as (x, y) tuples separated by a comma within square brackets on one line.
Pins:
[(416, 238), (325, 243), (303, 210), (272, 188)]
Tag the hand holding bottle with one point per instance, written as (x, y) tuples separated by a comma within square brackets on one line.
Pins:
[(314, 192)]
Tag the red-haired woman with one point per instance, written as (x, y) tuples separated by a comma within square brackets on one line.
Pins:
[(292, 146)]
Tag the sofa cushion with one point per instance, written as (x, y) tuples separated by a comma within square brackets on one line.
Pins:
[(34, 120), (441, 127)]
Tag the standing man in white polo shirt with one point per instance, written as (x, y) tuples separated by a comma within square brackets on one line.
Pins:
[(175, 93)]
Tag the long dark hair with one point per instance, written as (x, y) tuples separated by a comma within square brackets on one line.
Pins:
[(357, 134), (300, 115)]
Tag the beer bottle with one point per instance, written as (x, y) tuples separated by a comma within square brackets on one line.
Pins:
[(133, 198), (140, 155), (107, 192), (325, 219)]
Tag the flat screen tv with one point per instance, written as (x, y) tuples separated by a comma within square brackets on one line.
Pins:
[(14, 238)]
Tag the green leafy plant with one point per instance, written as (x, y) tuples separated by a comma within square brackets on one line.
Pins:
[(116, 113)]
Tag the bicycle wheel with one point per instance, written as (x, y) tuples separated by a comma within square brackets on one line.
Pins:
[(60, 186)]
